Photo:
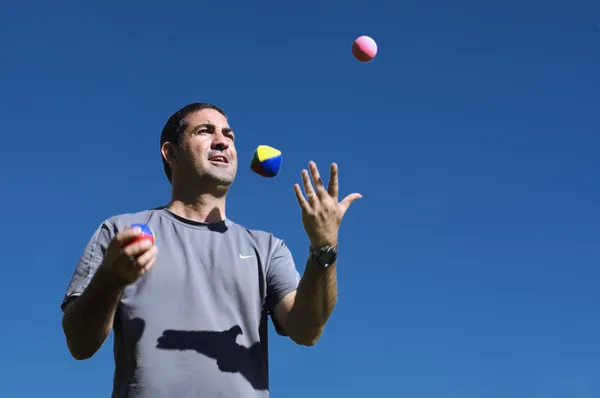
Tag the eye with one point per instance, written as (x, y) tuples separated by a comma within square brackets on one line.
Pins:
[(202, 131)]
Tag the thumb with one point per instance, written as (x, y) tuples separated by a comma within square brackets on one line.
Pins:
[(348, 200)]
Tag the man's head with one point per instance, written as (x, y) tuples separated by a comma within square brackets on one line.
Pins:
[(197, 146)]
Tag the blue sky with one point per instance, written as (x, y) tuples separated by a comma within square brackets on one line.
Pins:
[(469, 269)]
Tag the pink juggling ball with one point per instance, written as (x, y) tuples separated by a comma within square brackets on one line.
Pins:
[(364, 49)]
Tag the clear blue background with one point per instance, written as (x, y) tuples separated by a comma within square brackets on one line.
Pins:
[(469, 269)]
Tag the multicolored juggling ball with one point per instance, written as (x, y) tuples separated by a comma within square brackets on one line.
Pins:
[(266, 161), (147, 233)]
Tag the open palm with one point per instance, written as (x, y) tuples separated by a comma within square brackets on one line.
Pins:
[(322, 213)]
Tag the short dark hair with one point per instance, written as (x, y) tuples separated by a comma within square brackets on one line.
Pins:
[(177, 124)]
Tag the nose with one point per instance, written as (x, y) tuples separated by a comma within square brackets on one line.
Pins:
[(219, 142)]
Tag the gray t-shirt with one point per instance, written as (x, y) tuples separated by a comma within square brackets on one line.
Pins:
[(195, 325)]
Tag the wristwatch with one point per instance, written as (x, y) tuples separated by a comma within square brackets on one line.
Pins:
[(324, 256)]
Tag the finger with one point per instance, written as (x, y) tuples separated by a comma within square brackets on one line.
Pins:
[(316, 177), (300, 197), (127, 235), (148, 265), (308, 188), (147, 258), (348, 200), (333, 181), (137, 248)]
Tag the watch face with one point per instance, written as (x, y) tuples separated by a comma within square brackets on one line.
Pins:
[(327, 257)]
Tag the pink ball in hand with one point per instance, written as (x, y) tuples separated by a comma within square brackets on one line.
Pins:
[(364, 49)]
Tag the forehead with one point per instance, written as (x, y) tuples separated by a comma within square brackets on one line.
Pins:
[(207, 116)]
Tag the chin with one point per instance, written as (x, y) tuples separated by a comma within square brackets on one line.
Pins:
[(222, 178)]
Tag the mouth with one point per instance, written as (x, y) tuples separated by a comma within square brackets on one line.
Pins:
[(218, 159)]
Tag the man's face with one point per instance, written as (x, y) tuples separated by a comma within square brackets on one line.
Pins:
[(207, 145)]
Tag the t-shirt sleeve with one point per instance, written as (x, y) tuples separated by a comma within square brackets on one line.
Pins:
[(282, 277), (90, 261)]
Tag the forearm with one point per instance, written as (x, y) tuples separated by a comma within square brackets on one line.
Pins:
[(88, 320), (315, 300)]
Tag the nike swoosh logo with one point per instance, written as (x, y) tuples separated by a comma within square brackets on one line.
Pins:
[(241, 256)]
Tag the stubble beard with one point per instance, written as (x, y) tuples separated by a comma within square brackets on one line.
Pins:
[(221, 176)]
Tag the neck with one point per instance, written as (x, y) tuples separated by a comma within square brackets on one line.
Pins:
[(207, 207)]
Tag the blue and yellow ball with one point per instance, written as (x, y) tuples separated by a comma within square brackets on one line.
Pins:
[(266, 161), (147, 233)]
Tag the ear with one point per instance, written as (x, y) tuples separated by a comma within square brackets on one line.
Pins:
[(168, 152)]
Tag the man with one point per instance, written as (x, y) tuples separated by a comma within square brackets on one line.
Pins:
[(189, 312)]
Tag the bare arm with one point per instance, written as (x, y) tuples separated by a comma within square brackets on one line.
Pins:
[(303, 313), (88, 319)]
